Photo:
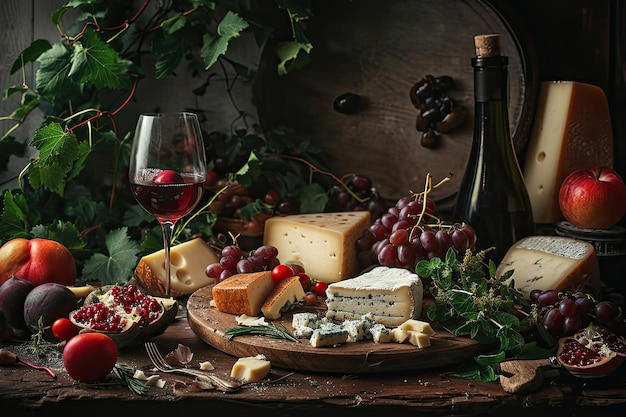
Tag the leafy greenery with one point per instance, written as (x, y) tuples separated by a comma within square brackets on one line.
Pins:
[(74, 190), (269, 330), (470, 301)]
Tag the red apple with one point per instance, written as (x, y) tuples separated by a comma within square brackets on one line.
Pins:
[(38, 261), (593, 198), (168, 176)]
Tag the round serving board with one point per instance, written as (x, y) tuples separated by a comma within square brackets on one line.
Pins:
[(378, 50), (349, 358)]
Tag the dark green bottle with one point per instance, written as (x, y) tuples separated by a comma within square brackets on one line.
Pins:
[(493, 198)]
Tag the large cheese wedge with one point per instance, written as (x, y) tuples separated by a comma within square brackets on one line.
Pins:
[(285, 295), (572, 130), (551, 262), (251, 369), (243, 293), (323, 243), (188, 265), (391, 295)]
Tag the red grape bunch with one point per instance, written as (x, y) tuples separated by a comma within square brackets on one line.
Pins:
[(357, 194), (233, 260), (563, 313), (410, 232)]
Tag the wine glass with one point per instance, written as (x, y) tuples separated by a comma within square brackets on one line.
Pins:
[(167, 170)]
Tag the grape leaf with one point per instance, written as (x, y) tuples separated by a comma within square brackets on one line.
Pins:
[(16, 219), (52, 78), (94, 61), (174, 24), (10, 147), (215, 45), (313, 198), (135, 216), (65, 233), (117, 267), (30, 54)]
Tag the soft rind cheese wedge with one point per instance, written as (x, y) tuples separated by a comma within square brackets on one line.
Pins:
[(188, 264), (551, 262), (285, 295), (572, 130), (323, 243), (391, 295), (251, 369), (243, 293)]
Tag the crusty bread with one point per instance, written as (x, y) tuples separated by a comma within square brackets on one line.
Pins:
[(243, 293)]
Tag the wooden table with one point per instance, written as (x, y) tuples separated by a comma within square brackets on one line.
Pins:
[(26, 392)]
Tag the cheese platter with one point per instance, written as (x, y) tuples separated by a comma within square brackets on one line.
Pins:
[(211, 325)]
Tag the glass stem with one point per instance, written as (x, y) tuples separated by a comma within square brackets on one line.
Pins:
[(168, 232)]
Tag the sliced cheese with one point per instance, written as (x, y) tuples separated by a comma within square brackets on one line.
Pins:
[(285, 295), (243, 293), (391, 295), (251, 369), (323, 243), (329, 334), (417, 326), (380, 333), (188, 265), (551, 262), (572, 130), (399, 335), (421, 340)]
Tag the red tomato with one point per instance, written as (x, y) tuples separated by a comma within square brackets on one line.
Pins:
[(280, 272), (319, 288), (305, 280), (63, 329), (89, 357)]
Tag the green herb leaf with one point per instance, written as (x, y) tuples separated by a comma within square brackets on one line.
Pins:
[(117, 267), (270, 331)]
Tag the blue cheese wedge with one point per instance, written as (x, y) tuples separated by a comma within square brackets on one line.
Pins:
[(390, 295), (380, 333), (305, 319), (329, 334)]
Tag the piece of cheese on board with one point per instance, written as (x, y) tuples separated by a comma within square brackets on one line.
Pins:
[(188, 264), (552, 263), (243, 293), (285, 295), (323, 243), (251, 369), (572, 130)]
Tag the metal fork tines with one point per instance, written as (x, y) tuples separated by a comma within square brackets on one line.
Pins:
[(162, 365)]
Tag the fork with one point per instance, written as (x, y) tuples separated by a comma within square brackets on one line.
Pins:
[(162, 365)]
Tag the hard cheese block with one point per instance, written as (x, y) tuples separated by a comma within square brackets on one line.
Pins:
[(323, 243), (285, 295), (551, 262), (243, 293), (572, 130), (252, 368), (188, 264), (391, 295)]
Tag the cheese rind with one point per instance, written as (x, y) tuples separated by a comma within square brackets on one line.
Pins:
[(323, 243), (188, 264), (251, 369), (391, 295), (551, 262), (285, 295), (572, 130), (243, 293)]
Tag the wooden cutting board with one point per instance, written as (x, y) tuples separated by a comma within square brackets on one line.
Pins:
[(350, 358)]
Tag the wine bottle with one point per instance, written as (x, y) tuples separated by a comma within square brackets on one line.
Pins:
[(492, 197)]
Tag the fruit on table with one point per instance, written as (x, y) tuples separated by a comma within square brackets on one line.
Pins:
[(168, 176), (125, 314), (13, 294), (63, 329), (46, 303), (593, 198), (594, 350), (38, 261), (89, 357)]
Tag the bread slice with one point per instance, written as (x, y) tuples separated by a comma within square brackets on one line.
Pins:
[(243, 293), (283, 297)]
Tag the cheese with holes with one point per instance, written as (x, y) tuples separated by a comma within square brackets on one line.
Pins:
[(391, 295), (572, 130), (285, 295), (322, 243), (243, 293), (551, 262), (188, 265), (251, 369)]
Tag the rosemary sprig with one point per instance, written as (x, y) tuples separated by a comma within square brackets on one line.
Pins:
[(126, 375), (269, 330)]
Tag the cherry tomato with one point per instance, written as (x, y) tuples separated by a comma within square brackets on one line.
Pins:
[(305, 280), (90, 356), (319, 288), (63, 329), (280, 272)]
